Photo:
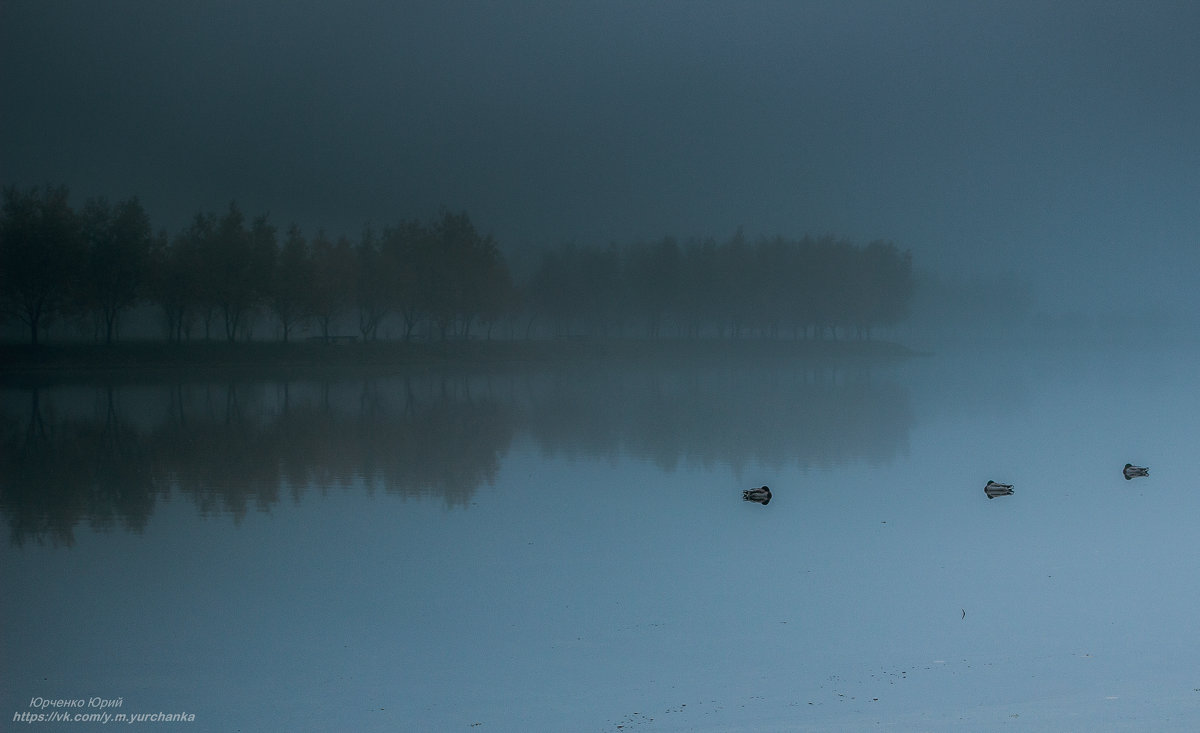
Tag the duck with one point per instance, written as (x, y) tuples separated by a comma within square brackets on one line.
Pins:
[(994, 489), (762, 495), (1132, 471)]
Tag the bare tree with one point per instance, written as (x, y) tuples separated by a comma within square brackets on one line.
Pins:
[(118, 240), (40, 251), (333, 280), (292, 282)]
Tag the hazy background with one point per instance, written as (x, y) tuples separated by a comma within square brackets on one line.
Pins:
[(1056, 141)]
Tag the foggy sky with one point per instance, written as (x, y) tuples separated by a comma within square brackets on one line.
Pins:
[(1058, 140)]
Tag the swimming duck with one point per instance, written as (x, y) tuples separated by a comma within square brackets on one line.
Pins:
[(762, 496), (994, 489), (1132, 471)]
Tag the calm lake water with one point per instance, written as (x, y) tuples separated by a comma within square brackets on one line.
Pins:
[(565, 548)]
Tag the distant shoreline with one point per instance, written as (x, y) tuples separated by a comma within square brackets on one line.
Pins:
[(18, 360)]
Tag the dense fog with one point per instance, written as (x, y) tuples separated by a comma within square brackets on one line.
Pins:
[(404, 365), (1039, 156)]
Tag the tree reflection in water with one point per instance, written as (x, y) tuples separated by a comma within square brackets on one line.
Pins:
[(229, 446)]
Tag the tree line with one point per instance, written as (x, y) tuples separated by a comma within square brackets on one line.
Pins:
[(225, 275), (811, 287)]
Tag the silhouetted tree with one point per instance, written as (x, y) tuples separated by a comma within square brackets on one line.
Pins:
[(883, 284), (291, 282), (550, 291), (237, 265), (228, 282), (41, 249), (175, 278), (462, 269), (737, 282), (333, 280), (485, 285), (407, 246), (375, 277), (118, 239), (261, 257), (494, 294), (193, 260), (602, 292), (448, 255), (700, 299), (654, 277)]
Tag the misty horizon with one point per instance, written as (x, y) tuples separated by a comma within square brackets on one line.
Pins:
[(1052, 141), (115, 267)]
